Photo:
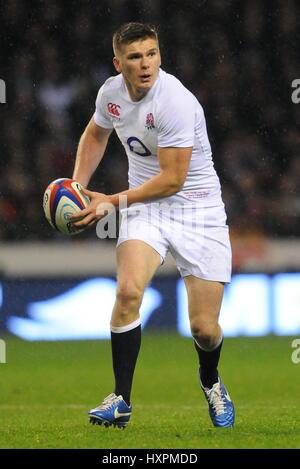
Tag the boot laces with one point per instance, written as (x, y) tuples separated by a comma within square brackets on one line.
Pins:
[(215, 399)]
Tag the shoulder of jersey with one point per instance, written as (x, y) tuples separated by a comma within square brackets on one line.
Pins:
[(174, 89), (112, 83)]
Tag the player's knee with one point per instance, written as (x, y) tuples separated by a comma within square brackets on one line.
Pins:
[(129, 297), (204, 333)]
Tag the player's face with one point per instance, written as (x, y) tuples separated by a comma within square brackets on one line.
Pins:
[(139, 63)]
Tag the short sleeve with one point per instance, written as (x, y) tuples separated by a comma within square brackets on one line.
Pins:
[(176, 121), (100, 115)]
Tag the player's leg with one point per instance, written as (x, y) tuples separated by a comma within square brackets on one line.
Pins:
[(203, 256), (204, 303), (137, 262), (136, 265)]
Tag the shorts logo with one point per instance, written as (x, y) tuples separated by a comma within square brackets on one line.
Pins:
[(114, 110), (150, 121)]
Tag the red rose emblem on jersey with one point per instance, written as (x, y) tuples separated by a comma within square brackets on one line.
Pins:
[(150, 121)]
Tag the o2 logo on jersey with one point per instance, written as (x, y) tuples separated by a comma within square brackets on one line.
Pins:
[(138, 147)]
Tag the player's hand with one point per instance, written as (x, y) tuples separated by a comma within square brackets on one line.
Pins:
[(99, 207)]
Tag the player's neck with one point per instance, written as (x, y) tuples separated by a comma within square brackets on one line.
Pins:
[(135, 93)]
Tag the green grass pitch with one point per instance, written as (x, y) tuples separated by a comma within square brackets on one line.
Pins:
[(47, 388)]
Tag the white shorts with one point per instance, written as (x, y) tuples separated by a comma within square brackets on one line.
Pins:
[(195, 234)]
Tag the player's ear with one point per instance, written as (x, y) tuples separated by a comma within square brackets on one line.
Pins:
[(117, 64)]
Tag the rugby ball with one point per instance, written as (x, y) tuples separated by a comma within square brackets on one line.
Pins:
[(63, 198)]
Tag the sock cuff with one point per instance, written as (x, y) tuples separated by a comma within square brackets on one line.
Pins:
[(127, 328), (196, 339)]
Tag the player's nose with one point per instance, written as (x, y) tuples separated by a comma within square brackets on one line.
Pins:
[(145, 64)]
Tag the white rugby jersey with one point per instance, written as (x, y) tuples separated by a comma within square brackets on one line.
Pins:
[(168, 116)]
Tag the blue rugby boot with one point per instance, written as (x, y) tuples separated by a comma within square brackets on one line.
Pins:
[(220, 406), (113, 411)]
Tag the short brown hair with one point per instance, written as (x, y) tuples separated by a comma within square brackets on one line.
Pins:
[(130, 32)]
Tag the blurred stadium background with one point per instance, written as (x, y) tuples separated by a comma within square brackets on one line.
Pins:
[(239, 58)]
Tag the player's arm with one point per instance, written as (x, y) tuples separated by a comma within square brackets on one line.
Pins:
[(90, 151), (174, 164)]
